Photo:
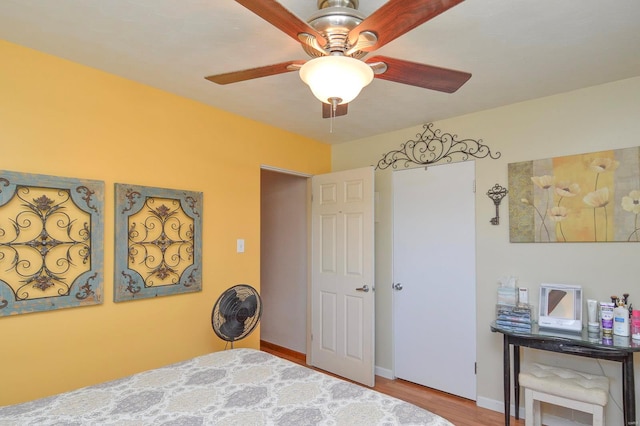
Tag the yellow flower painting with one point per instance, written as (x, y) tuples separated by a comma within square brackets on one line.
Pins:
[(591, 197)]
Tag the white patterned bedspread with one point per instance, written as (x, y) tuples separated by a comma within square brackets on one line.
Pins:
[(236, 387)]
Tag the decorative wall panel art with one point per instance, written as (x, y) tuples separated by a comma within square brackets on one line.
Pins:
[(578, 198), (51, 242), (158, 242)]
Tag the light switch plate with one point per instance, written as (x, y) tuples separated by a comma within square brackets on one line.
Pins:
[(240, 245)]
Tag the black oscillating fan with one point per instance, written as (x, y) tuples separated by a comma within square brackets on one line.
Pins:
[(236, 313)]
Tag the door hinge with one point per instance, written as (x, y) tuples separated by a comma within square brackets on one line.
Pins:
[(474, 186), (475, 368)]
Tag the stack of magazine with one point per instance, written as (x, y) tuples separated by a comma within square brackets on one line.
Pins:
[(514, 317)]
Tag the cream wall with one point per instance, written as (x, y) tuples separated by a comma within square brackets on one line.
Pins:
[(597, 118), (60, 118)]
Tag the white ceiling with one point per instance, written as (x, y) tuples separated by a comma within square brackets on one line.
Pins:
[(515, 49)]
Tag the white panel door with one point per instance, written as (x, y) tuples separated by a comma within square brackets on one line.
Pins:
[(434, 313), (342, 274)]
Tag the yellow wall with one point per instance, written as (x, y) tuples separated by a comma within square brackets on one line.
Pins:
[(60, 118)]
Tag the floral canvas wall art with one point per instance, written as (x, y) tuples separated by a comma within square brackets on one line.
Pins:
[(592, 197)]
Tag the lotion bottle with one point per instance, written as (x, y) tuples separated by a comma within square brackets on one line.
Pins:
[(592, 315), (606, 318), (621, 321)]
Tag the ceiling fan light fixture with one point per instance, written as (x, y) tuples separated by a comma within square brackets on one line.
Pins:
[(336, 77)]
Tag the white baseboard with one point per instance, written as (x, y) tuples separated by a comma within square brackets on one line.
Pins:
[(384, 372), (494, 405)]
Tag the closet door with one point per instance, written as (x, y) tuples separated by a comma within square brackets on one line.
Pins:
[(434, 274)]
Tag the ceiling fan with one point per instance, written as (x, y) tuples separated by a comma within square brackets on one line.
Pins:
[(338, 37)]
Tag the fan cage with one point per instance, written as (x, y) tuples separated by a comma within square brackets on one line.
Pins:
[(236, 313)]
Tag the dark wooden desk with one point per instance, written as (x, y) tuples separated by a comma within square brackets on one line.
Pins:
[(619, 349)]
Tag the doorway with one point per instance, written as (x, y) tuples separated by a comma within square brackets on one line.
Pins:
[(283, 259), (434, 302), (322, 308)]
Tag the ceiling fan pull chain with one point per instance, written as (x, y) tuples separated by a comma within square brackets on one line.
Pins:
[(334, 107)]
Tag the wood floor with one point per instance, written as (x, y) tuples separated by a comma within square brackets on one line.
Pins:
[(459, 411)]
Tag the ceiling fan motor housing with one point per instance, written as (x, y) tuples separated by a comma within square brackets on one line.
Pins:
[(334, 20), (338, 3)]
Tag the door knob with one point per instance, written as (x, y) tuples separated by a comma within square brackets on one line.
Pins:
[(364, 288), (397, 286)]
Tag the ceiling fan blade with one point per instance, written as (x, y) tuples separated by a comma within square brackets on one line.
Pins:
[(236, 76), (421, 75), (281, 18), (340, 110), (396, 17)]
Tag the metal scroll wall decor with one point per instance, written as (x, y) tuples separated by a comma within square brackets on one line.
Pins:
[(158, 242), (432, 146), (51, 236)]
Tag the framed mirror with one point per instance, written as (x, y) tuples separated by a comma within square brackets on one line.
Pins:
[(560, 307)]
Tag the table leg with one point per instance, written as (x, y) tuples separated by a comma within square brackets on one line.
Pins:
[(516, 380), (629, 391), (506, 372)]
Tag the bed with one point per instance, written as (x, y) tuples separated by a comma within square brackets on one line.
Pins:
[(234, 387)]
